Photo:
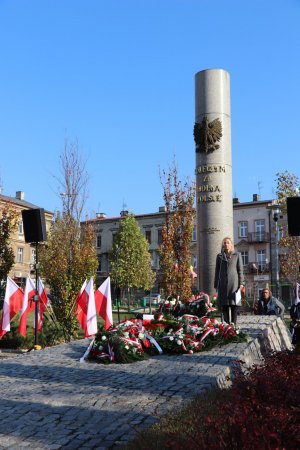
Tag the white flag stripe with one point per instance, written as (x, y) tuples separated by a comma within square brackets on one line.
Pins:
[(91, 320)]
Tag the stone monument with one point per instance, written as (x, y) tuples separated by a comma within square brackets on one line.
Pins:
[(212, 134)]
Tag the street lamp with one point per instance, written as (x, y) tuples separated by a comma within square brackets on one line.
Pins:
[(275, 211)]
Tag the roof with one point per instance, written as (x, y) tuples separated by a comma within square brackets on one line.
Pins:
[(18, 202), (253, 203), (163, 214)]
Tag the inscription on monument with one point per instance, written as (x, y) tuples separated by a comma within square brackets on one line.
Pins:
[(210, 168), (213, 190), (209, 198), (211, 230)]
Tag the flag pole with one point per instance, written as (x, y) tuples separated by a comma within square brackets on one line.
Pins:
[(36, 297)]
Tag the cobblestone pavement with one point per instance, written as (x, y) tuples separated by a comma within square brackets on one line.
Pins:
[(49, 400)]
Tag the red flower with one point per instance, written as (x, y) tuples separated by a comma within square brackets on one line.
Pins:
[(146, 343)]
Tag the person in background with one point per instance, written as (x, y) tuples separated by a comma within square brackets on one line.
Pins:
[(295, 316), (269, 305), (229, 279)]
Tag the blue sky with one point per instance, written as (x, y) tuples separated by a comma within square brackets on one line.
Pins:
[(118, 76)]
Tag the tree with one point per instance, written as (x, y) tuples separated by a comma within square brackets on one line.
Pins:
[(73, 180), (130, 259), (288, 185), (8, 223), (175, 254), (69, 256)]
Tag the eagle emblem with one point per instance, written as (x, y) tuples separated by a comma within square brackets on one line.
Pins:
[(207, 134)]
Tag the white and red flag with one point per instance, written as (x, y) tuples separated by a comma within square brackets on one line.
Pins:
[(43, 300), (86, 309), (103, 303), (28, 305), (11, 306), (81, 307)]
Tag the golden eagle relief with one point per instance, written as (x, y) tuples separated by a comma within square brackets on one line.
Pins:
[(207, 134)]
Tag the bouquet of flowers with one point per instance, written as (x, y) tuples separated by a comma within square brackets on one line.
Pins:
[(135, 339)]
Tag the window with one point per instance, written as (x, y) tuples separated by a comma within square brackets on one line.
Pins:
[(261, 259), (21, 229), (98, 242), (194, 235), (148, 236), (243, 229), (245, 258), (99, 265), (260, 229), (32, 256), (20, 256), (194, 261), (159, 236), (114, 237)]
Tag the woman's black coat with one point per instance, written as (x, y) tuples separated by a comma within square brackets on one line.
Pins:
[(229, 276)]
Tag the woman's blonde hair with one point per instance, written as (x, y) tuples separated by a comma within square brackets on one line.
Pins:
[(224, 239)]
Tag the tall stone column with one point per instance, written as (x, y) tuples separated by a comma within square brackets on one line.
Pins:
[(212, 133)]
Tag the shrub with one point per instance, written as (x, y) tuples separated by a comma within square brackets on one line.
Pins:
[(260, 411), (50, 335)]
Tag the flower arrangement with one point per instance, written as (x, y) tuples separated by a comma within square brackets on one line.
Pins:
[(135, 339), (198, 305)]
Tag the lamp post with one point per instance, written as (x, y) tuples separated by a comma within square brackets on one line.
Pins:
[(275, 211), (275, 218)]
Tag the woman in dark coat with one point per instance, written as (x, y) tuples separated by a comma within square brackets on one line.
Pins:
[(295, 316), (229, 279)]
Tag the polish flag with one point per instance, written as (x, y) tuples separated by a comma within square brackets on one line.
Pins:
[(27, 305), (86, 303), (81, 307), (42, 305), (103, 303), (11, 306)]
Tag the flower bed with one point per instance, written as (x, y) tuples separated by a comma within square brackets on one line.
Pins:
[(136, 339)]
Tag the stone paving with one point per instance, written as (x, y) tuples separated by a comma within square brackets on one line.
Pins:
[(49, 400)]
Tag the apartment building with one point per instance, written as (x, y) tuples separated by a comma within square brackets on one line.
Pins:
[(254, 237), (24, 252)]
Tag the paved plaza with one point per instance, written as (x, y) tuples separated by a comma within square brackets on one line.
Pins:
[(49, 400)]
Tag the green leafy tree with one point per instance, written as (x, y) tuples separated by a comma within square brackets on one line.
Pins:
[(130, 259), (175, 254), (8, 223), (69, 255), (288, 185)]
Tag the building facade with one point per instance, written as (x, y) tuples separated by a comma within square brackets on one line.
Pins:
[(254, 236), (24, 252)]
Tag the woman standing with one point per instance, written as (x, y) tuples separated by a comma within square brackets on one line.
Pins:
[(229, 279), (295, 316)]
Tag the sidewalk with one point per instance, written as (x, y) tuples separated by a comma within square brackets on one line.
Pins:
[(51, 401)]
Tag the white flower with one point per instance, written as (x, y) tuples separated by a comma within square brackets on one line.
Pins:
[(179, 342), (100, 347), (173, 302), (104, 338), (127, 347), (171, 338), (126, 334), (141, 336)]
